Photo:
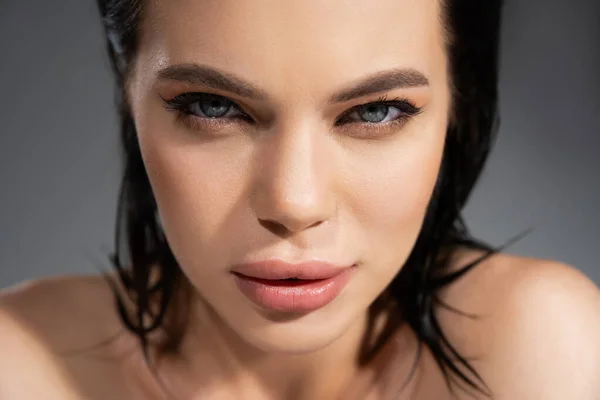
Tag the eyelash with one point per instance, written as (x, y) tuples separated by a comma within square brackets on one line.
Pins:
[(181, 104)]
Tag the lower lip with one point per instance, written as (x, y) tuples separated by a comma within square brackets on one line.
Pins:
[(301, 296)]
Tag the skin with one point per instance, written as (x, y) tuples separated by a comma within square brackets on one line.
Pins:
[(294, 184), (290, 184)]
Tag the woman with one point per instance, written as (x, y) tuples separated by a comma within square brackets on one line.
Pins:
[(290, 220)]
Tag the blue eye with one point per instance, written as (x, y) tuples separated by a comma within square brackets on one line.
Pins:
[(206, 110), (212, 107), (204, 105), (373, 112), (380, 112)]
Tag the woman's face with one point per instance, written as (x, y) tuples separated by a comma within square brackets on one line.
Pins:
[(290, 166)]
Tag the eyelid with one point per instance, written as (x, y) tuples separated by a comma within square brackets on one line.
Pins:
[(189, 98), (196, 96)]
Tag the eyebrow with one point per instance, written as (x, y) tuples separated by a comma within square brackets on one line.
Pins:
[(381, 82), (216, 79)]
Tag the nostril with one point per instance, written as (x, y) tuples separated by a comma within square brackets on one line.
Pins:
[(274, 227), (280, 229)]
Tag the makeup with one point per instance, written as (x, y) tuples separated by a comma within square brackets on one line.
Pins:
[(292, 288)]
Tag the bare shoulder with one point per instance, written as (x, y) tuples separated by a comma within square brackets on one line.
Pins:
[(46, 328), (61, 311), (537, 331)]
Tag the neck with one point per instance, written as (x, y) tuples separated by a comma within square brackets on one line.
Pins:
[(214, 359)]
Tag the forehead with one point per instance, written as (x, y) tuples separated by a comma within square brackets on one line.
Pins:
[(308, 45)]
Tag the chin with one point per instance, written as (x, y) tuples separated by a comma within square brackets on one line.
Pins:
[(297, 334), (294, 341)]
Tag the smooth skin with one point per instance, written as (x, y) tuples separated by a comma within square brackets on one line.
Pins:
[(305, 174)]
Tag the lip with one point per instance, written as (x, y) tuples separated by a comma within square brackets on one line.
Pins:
[(277, 269), (316, 284)]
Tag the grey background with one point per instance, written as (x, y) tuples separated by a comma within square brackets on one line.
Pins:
[(59, 164)]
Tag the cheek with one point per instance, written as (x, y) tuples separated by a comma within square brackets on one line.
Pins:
[(197, 189), (392, 192)]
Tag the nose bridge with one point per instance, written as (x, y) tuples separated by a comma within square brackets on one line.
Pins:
[(293, 188)]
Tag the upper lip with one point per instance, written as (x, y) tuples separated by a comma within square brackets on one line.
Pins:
[(277, 269)]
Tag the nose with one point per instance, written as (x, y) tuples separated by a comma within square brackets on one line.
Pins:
[(293, 186)]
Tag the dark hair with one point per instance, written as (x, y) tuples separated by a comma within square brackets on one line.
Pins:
[(153, 280)]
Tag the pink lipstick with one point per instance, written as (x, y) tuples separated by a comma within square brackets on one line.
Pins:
[(294, 288)]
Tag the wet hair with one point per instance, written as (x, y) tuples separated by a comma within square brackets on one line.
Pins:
[(147, 269)]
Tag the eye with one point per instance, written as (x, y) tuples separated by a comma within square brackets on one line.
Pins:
[(377, 113), (205, 105), (207, 110), (380, 112)]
